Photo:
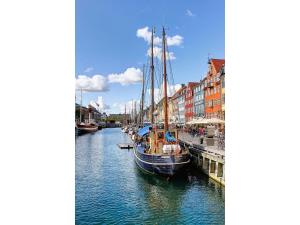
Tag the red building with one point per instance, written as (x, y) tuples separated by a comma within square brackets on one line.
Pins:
[(189, 101), (212, 88)]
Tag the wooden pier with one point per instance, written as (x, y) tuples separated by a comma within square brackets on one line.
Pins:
[(209, 158)]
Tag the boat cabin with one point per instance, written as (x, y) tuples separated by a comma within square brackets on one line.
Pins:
[(158, 143)]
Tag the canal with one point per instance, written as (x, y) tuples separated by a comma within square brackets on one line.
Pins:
[(110, 189)]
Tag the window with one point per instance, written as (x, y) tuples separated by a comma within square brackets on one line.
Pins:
[(160, 135)]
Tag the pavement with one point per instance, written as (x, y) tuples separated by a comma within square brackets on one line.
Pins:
[(195, 141)]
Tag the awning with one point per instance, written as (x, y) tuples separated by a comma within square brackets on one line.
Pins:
[(197, 121), (206, 121), (143, 131), (215, 121)]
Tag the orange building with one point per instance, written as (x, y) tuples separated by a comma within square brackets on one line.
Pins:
[(212, 89)]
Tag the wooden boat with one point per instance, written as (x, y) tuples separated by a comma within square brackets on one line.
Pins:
[(156, 148), (86, 128), (156, 155)]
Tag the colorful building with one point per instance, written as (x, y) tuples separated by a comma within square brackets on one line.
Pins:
[(189, 101), (160, 117), (171, 110), (212, 89), (178, 100), (198, 91), (222, 77)]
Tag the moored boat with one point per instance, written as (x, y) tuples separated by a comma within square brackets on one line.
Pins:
[(155, 154), (86, 128), (156, 148)]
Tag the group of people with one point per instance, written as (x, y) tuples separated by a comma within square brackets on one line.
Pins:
[(194, 131), (202, 131)]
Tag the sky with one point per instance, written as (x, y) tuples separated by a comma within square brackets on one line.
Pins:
[(112, 41)]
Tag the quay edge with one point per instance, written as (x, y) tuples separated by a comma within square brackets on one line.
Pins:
[(211, 164)]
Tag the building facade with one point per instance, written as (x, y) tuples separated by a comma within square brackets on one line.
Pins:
[(222, 77), (212, 89), (198, 91), (88, 114), (161, 110), (189, 101), (178, 100)]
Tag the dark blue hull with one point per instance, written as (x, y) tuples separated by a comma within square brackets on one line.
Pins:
[(166, 165)]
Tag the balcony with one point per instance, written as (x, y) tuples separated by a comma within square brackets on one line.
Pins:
[(218, 80)]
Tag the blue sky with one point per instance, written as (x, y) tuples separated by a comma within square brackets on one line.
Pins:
[(107, 42)]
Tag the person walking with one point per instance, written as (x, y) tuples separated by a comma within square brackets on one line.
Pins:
[(216, 132), (201, 133)]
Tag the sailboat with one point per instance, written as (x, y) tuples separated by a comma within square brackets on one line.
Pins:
[(83, 128), (156, 148)]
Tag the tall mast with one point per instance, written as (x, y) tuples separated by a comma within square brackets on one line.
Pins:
[(152, 80), (142, 100), (166, 125)]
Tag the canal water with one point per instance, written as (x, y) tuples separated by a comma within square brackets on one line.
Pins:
[(110, 189)]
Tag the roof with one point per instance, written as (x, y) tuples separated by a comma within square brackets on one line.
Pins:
[(162, 100), (218, 63), (192, 84), (177, 92)]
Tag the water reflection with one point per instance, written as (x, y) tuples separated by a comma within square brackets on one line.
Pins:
[(173, 201), (111, 189)]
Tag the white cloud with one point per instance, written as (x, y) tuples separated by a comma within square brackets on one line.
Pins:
[(115, 104), (189, 13), (157, 52), (145, 33), (89, 69), (130, 76), (175, 40), (96, 83), (99, 104)]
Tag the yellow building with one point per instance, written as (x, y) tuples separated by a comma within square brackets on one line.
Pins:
[(160, 113)]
